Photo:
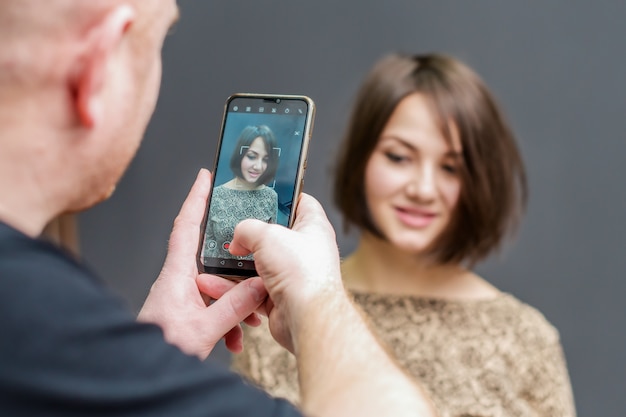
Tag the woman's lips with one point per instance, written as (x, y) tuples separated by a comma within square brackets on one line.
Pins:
[(415, 218)]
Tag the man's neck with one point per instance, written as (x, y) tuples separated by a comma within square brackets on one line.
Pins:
[(26, 202), (22, 220)]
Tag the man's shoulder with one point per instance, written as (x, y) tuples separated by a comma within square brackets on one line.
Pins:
[(24, 258), (41, 282)]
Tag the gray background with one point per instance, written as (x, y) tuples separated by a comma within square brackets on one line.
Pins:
[(557, 67)]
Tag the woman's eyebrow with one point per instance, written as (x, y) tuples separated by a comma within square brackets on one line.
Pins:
[(454, 154), (399, 140)]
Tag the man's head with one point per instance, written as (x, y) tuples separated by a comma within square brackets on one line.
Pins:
[(78, 83)]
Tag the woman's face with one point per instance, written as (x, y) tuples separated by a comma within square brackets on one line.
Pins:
[(412, 182), (254, 162)]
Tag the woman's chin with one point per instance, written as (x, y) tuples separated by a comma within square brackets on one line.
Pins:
[(411, 245)]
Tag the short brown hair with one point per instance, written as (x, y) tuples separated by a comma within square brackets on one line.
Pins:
[(493, 179)]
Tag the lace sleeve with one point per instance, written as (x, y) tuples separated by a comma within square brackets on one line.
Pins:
[(547, 386), (267, 364)]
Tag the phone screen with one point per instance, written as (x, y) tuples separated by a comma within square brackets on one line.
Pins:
[(258, 173)]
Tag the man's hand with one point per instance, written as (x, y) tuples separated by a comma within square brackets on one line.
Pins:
[(188, 318), (299, 267), (338, 357)]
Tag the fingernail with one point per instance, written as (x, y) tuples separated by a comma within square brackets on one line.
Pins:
[(259, 293)]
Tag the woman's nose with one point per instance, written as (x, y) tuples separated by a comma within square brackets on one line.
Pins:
[(423, 184)]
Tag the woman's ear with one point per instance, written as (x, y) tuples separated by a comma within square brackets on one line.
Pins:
[(89, 78)]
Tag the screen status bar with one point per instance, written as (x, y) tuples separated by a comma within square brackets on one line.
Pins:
[(285, 107)]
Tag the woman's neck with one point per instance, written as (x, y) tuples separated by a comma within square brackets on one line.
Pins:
[(377, 266), (239, 184)]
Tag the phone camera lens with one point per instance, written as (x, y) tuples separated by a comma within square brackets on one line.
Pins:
[(277, 100)]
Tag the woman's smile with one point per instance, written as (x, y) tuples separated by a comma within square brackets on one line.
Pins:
[(415, 217)]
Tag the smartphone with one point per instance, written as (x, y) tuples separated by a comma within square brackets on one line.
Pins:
[(258, 173)]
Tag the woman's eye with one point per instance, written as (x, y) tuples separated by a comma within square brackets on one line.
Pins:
[(451, 169), (251, 156), (393, 157)]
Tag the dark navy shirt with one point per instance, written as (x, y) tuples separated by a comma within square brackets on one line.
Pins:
[(69, 347)]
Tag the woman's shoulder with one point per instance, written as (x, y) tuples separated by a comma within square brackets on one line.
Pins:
[(220, 189), (268, 190), (266, 194), (532, 325), (502, 314)]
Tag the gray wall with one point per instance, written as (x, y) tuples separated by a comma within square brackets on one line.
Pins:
[(557, 68)]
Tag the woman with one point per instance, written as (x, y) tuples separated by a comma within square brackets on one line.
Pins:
[(431, 176), (253, 164)]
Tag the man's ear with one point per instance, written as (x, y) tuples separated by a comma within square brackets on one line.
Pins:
[(102, 40)]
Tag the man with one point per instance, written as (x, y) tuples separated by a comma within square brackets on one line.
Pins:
[(78, 84)]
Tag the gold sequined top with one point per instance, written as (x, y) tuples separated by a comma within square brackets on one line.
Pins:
[(497, 357)]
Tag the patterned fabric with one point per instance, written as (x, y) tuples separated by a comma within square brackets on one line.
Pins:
[(228, 208), (497, 357)]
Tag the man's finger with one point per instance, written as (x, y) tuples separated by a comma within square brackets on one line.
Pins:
[(248, 235), (234, 339), (184, 239), (307, 211), (236, 305), (213, 285), (253, 320)]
